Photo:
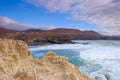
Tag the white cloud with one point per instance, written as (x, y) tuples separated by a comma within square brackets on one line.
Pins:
[(8, 23), (104, 13), (54, 5)]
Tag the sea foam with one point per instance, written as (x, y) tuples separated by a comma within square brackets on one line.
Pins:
[(102, 60), (99, 57), (60, 46)]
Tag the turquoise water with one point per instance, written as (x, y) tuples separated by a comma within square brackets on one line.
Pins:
[(73, 55), (97, 58)]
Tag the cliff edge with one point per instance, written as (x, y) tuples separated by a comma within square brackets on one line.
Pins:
[(16, 63)]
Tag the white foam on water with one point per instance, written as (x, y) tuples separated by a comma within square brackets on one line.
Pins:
[(102, 60), (61, 46), (99, 57)]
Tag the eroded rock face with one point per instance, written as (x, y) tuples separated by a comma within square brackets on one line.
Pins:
[(16, 63)]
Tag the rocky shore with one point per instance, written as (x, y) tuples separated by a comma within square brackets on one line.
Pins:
[(16, 63), (54, 36)]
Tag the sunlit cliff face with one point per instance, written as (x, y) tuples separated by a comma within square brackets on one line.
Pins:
[(18, 64)]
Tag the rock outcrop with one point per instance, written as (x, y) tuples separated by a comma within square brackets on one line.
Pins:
[(16, 63), (54, 36)]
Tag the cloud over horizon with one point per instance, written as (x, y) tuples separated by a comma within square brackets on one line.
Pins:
[(8, 23), (105, 14)]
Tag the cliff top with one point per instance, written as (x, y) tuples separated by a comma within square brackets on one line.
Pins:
[(17, 64)]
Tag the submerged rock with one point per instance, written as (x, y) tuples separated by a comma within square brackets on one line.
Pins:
[(105, 77), (16, 63), (108, 77)]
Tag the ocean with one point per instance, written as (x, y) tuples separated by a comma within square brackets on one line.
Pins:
[(93, 57)]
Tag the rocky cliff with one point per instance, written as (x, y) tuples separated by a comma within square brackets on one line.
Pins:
[(56, 36), (16, 63)]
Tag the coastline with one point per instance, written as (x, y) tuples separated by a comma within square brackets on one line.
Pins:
[(93, 54), (18, 64)]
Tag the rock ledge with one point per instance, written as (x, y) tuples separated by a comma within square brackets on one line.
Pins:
[(16, 63)]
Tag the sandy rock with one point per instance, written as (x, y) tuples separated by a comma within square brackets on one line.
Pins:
[(16, 63)]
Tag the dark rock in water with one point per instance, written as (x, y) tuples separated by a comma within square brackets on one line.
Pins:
[(99, 78), (85, 43), (106, 77), (58, 40)]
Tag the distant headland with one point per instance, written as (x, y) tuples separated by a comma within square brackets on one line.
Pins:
[(57, 36)]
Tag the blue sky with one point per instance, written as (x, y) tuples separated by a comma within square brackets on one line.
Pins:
[(39, 14)]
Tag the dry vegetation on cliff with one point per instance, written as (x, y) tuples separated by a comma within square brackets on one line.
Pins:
[(16, 63)]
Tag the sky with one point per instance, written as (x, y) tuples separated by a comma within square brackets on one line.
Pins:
[(102, 16)]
